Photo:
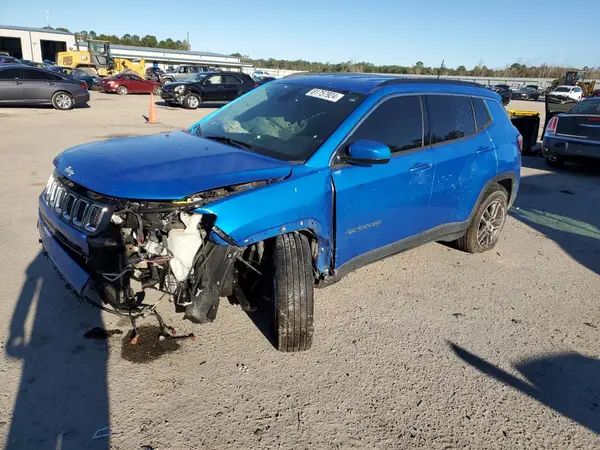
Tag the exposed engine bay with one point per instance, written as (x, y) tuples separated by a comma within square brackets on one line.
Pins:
[(167, 246)]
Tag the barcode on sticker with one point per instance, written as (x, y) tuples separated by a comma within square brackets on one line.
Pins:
[(325, 95)]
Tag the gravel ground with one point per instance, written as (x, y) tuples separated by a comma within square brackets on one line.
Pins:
[(431, 349)]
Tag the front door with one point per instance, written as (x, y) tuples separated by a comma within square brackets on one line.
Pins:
[(213, 89), (11, 85), (464, 153), (379, 205)]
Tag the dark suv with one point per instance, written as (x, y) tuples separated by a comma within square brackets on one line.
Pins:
[(290, 187), (207, 87)]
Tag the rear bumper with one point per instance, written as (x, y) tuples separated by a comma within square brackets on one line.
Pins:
[(570, 148), (81, 97)]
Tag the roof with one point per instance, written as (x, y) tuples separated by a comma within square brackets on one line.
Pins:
[(38, 30), (365, 83)]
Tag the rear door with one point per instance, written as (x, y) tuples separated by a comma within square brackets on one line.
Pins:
[(381, 204), (39, 85), (464, 154), (11, 85), (213, 89), (231, 87)]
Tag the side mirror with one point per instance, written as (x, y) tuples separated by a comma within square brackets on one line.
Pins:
[(365, 151)]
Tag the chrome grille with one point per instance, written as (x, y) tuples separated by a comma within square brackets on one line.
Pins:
[(73, 208)]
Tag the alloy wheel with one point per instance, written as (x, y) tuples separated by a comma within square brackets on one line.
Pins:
[(192, 101), (63, 101), (490, 224)]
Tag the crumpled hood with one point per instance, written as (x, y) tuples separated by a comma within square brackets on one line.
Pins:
[(164, 166)]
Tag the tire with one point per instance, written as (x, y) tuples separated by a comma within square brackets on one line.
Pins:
[(191, 101), (63, 101), (293, 293), (156, 90), (555, 164), (121, 90), (494, 206)]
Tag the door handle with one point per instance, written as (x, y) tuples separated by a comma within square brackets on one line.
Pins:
[(420, 166), (484, 149), (17, 82), (50, 84)]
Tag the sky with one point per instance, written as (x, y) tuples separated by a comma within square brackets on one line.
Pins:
[(460, 32)]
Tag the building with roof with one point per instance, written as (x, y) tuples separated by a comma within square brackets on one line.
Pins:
[(39, 44)]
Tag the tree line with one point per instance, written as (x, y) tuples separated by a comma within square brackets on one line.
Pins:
[(130, 39), (515, 70)]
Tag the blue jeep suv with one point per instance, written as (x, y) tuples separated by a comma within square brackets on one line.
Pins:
[(289, 187)]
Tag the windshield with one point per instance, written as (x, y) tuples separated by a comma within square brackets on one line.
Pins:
[(562, 89), (283, 120), (587, 107)]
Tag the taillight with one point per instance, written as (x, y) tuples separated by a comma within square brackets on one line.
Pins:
[(83, 85), (551, 128), (255, 85), (520, 142)]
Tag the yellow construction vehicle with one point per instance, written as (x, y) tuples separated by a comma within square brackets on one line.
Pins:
[(96, 59), (575, 78)]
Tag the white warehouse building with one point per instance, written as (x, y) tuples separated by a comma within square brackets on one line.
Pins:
[(39, 44)]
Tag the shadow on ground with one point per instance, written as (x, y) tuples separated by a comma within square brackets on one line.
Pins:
[(563, 205), (569, 383), (62, 398), (215, 105)]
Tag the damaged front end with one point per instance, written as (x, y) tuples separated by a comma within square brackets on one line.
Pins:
[(133, 246)]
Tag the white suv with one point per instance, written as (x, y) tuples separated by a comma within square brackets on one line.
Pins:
[(574, 92)]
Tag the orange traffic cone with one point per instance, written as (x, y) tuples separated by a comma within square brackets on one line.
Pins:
[(152, 115)]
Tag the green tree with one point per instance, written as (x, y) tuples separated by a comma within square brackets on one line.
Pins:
[(149, 41), (62, 29)]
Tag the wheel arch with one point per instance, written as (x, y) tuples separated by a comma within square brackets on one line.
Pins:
[(508, 180)]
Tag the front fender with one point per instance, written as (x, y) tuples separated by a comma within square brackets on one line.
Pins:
[(303, 201)]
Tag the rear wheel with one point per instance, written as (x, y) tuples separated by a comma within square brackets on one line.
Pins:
[(293, 293), (63, 101), (122, 90), (487, 222), (191, 101), (156, 90)]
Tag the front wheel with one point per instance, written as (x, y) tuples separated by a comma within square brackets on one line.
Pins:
[(191, 101), (293, 292), (122, 90), (62, 101), (156, 90), (487, 222)]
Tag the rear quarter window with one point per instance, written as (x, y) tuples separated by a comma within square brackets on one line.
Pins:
[(482, 115), (450, 117)]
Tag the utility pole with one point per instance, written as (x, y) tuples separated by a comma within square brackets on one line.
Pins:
[(441, 68), (189, 47)]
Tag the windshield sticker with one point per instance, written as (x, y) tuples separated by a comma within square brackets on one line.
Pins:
[(325, 95)]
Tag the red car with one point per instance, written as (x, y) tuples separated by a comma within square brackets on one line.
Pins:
[(125, 83)]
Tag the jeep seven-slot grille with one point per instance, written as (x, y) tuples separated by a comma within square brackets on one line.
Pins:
[(73, 208)]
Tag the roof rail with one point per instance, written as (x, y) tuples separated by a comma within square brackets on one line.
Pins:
[(431, 81)]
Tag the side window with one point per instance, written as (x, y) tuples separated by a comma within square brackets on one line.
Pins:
[(482, 115), (230, 79), (10, 74), (31, 74), (215, 79), (183, 70), (397, 122), (450, 117), (578, 89)]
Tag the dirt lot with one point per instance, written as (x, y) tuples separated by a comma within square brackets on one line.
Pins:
[(432, 348)]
